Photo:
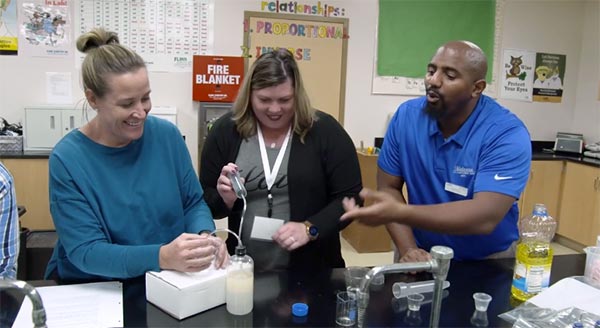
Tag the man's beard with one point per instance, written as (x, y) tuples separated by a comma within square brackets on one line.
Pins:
[(437, 110)]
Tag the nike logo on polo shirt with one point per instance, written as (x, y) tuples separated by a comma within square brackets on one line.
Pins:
[(499, 178)]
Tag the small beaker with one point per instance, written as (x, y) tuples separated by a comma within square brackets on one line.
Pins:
[(592, 265), (354, 276), (346, 308), (482, 300), (414, 301)]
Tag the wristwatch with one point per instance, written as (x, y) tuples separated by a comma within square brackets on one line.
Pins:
[(311, 230)]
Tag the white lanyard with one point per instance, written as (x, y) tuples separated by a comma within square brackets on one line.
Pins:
[(271, 175)]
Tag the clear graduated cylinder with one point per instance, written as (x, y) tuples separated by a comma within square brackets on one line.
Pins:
[(534, 254), (240, 283)]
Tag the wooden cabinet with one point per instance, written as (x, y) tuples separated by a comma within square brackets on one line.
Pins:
[(579, 218), (363, 238), (543, 186), (31, 184)]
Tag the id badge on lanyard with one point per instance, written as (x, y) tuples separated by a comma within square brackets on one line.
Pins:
[(271, 175)]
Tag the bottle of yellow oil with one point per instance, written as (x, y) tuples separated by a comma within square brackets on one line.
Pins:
[(534, 254)]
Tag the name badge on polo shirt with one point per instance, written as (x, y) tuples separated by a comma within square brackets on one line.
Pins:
[(263, 227), (456, 189)]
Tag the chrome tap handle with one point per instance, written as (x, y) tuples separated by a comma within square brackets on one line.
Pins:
[(38, 313), (441, 257)]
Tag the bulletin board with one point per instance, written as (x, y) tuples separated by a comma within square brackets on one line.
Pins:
[(410, 31), (319, 45)]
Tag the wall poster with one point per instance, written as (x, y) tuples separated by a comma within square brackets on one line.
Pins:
[(517, 74), (44, 28), (8, 28), (166, 33), (549, 77)]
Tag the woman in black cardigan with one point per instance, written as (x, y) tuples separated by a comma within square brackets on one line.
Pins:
[(293, 211)]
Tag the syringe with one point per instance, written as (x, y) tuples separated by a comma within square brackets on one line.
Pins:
[(240, 192)]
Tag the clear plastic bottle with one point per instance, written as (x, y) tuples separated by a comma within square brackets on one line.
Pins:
[(534, 254), (240, 283)]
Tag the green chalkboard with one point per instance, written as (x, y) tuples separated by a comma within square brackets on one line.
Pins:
[(410, 31)]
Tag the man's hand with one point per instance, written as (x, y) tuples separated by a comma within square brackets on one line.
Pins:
[(415, 255), (187, 253), (385, 208)]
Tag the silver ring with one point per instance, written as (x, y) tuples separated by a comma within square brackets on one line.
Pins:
[(293, 239)]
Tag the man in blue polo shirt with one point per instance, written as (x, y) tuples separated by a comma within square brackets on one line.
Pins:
[(464, 158)]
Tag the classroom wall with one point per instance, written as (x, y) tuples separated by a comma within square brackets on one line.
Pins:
[(560, 27), (563, 27), (567, 27)]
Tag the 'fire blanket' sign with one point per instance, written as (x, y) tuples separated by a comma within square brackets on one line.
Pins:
[(217, 78)]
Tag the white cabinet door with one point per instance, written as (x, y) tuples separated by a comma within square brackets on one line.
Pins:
[(43, 128), (71, 119)]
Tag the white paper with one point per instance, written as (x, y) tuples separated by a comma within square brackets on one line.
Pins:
[(84, 305), (264, 228), (59, 88), (567, 293)]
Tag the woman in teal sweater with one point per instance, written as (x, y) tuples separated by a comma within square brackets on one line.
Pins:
[(124, 196)]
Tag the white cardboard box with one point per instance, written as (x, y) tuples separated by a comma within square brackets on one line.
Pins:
[(185, 294)]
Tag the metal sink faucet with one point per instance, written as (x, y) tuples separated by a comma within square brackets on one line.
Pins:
[(438, 266), (38, 313)]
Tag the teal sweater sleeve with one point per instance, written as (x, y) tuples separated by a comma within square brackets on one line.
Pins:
[(196, 209), (114, 208)]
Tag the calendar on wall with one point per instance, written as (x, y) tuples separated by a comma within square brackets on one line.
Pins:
[(166, 33)]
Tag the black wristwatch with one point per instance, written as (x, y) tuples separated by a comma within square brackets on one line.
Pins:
[(311, 230)]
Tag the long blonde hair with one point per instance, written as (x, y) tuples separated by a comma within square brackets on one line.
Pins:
[(271, 69), (104, 56)]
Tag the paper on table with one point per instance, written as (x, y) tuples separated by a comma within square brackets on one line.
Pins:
[(84, 305), (569, 292)]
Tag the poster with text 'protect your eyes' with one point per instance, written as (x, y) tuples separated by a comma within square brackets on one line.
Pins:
[(517, 74)]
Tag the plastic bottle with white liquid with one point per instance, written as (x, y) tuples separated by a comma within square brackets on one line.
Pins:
[(240, 283)]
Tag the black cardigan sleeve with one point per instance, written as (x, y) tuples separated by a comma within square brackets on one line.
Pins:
[(340, 166), (218, 150)]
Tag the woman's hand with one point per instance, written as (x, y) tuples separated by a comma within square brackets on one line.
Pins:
[(187, 253), (222, 256), (224, 187), (291, 235)]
